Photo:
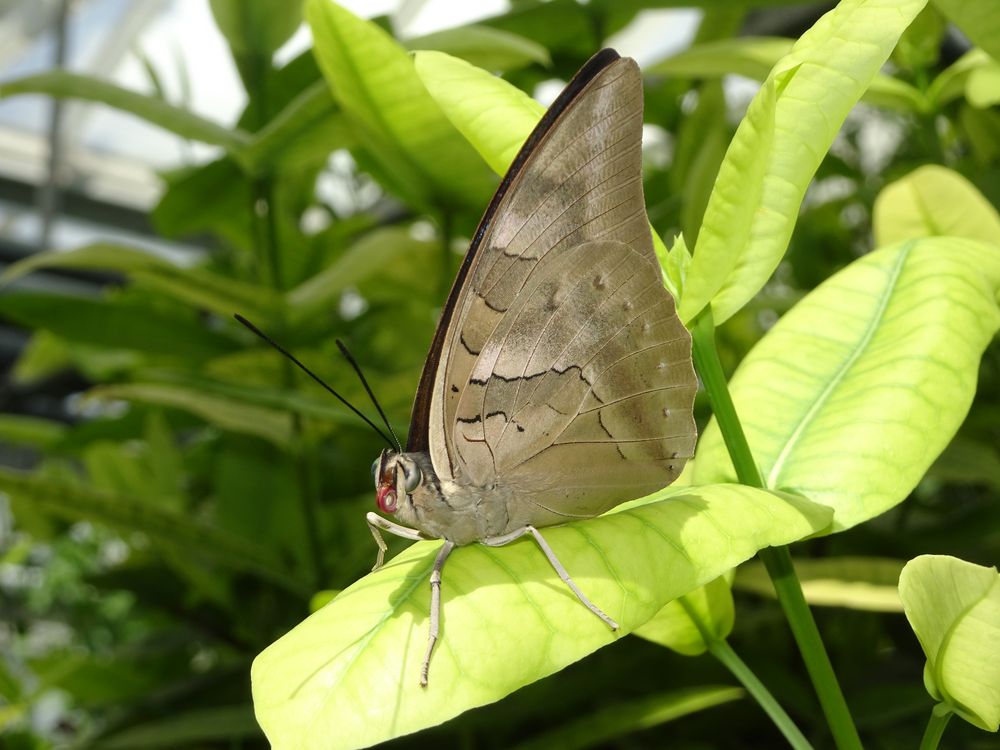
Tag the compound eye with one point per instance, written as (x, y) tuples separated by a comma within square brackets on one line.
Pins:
[(411, 477), (375, 465)]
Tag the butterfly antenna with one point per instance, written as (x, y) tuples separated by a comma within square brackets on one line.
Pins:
[(319, 380), (361, 376)]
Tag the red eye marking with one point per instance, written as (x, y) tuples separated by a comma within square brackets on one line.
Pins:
[(386, 498)]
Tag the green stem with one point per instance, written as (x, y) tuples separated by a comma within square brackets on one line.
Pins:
[(776, 559), (721, 650), (779, 566), (266, 236), (706, 360), (940, 715)]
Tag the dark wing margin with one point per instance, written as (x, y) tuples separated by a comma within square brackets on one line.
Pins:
[(418, 438)]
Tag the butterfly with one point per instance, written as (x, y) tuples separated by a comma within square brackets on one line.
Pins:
[(559, 382)]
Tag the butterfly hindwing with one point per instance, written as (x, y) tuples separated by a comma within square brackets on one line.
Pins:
[(585, 396)]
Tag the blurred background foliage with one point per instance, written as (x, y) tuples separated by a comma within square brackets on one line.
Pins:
[(175, 494)]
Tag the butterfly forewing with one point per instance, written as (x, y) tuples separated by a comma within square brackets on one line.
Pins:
[(564, 372)]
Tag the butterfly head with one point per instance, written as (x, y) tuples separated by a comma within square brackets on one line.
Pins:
[(397, 476)]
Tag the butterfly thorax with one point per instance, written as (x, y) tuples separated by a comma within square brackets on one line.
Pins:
[(461, 512)]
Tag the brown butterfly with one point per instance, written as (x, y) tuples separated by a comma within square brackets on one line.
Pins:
[(559, 383)]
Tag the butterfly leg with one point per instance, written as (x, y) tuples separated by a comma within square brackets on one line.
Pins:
[(499, 541), (432, 636), (377, 525)]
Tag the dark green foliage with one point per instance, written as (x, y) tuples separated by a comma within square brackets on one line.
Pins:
[(155, 552)]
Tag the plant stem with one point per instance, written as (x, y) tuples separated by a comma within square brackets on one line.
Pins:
[(255, 71), (267, 246), (706, 360), (721, 650), (779, 566), (776, 559), (940, 715)]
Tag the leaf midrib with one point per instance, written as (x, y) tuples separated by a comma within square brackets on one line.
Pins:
[(838, 377)]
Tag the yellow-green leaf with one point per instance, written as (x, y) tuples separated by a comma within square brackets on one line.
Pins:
[(674, 626), (954, 608), (933, 201), (853, 394), (778, 147), (866, 583), (347, 676)]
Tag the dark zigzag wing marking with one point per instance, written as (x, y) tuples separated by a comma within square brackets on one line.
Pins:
[(673, 343), (586, 326), (584, 322), (524, 325), (644, 297), (548, 322)]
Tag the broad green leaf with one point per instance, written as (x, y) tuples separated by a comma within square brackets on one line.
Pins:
[(270, 399), (308, 130), (254, 32), (44, 355), (778, 147), (892, 93), (981, 128), (968, 461), (484, 47), (393, 116), (702, 138), (196, 286), (254, 486), (227, 413), (674, 625), (934, 201), (35, 432), (950, 83), (98, 363), (853, 394), (954, 608), (982, 88), (114, 468), (919, 48), (166, 474), (561, 26), (257, 28), (347, 676), (115, 324), (193, 728), (63, 85), (494, 116), (750, 56), (979, 21), (130, 514), (755, 57), (732, 205), (203, 289), (865, 583), (99, 256), (212, 197), (371, 255), (616, 719), (108, 679), (321, 598)]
